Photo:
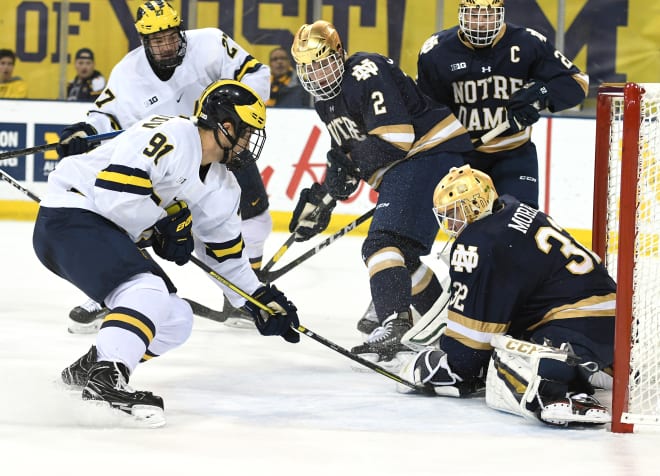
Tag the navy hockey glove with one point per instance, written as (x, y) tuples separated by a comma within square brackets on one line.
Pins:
[(312, 213), (72, 139), (172, 239), (281, 322), (340, 176), (525, 104)]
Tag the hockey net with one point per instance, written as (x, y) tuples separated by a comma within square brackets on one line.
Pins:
[(626, 234)]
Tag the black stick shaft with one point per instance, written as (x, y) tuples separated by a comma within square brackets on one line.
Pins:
[(273, 275), (41, 148)]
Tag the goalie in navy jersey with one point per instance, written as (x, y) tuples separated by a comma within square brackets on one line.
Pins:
[(488, 71), (386, 132), (529, 304), (164, 181)]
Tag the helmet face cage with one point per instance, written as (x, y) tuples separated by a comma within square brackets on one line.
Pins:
[(481, 20), (319, 58), (463, 196), (322, 78), (233, 102), (157, 22)]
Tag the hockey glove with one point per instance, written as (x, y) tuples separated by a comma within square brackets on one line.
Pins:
[(172, 238), (72, 139), (281, 322), (340, 175), (525, 104), (312, 213)]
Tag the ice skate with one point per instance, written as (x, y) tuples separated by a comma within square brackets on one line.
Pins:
[(87, 318), (237, 318), (76, 374), (108, 382), (578, 409), (369, 321), (384, 346)]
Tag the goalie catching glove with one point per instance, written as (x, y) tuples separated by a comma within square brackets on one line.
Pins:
[(340, 176), (73, 139), (525, 104), (172, 238), (312, 213), (282, 321)]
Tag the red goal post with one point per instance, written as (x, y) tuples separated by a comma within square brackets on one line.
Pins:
[(626, 235)]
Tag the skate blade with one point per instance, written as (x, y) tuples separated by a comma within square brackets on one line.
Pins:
[(239, 323), (80, 328), (560, 417), (394, 365), (137, 416)]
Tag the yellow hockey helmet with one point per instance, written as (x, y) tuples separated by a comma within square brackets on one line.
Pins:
[(159, 26), (463, 196), (319, 57)]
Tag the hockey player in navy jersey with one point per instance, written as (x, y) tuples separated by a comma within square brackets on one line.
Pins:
[(488, 71), (383, 131), (528, 302), (165, 180), (165, 76)]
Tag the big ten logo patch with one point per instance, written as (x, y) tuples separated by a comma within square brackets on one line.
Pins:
[(45, 162)]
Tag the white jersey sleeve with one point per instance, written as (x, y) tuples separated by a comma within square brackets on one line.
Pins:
[(132, 180), (134, 91)]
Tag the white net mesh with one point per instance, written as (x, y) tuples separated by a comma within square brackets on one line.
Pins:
[(644, 383)]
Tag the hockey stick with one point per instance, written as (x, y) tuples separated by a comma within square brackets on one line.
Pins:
[(8, 178), (39, 148), (311, 334), (489, 136), (273, 275), (325, 201)]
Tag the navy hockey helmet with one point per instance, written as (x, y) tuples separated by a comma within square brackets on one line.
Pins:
[(481, 20), (463, 196), (234, 102), (319, 57), (159, 26)]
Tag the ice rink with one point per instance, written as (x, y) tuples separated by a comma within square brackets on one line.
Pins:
[(237, 403)]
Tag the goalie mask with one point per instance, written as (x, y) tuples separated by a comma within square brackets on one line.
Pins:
[(236, 103), (159, 26), (463, 196), (319, 58), (481, 20)]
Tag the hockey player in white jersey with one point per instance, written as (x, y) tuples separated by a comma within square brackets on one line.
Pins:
[(165, 180), (164, 76)]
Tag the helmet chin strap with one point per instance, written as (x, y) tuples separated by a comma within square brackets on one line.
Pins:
[(226, 150)]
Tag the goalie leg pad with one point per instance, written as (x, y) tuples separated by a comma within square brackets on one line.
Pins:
[(513, 381), (427, 330)]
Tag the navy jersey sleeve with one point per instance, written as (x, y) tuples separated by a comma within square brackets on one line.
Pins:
[(568, 86)]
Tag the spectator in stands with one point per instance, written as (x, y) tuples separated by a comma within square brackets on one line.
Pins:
[(285, 90), (88, 83), (10, 86)]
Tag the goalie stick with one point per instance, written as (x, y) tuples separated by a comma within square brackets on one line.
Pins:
[(273, 275), (40, 148), (312, 335)]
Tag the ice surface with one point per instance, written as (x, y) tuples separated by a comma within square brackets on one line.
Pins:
[(237, 403)]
